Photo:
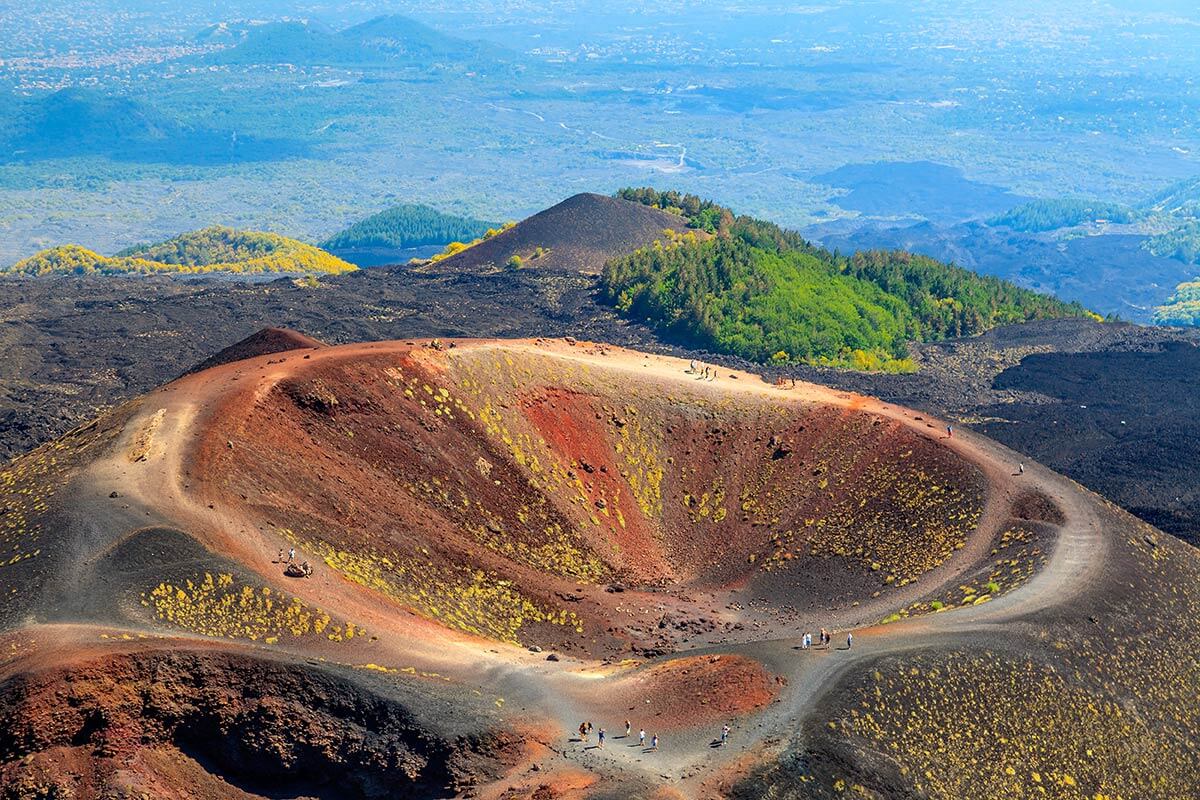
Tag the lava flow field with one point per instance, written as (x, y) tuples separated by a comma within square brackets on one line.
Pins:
[(412, 569)]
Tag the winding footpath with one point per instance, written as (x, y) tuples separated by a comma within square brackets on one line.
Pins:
[(688, 759)]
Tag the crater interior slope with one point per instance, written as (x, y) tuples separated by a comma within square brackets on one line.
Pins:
[(507, 538)]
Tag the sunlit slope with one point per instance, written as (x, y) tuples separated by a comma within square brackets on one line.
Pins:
[(215, 249)]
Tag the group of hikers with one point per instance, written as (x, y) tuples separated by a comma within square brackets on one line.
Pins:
[(707, 374), (585, 728), (302, 570), (585, 732), (806, 640)]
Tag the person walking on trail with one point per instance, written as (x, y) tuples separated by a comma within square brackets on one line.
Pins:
[(628, 728), (600, 737), (724, 735), (280, 559), (824, 637), (1021, 468), (949, 431), (291, 555), (804, 640), (583, 737), (692, 367), (642, 737), (654, 742), (849, 640)]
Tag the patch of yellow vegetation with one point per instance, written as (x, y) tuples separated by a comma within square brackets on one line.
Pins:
[(454, 248), (464, 599), (1099, 706), (27, 485), (215, 249), (638, 451), (709, 506), (987, 725), (219, 606), (1016, 558)]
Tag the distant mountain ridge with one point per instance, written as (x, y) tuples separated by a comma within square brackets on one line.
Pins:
[(84, 121), (387, 39), (1179, 198)]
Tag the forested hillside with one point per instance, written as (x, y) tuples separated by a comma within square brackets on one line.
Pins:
[(1182, 308), (405, 226), (1182, 243), (1049, 215), (215, 249), (761, 292)]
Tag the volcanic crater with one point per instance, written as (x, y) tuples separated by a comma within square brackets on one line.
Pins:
[(504, 538)]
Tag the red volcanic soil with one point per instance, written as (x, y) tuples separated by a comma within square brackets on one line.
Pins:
[(575, 430), (695, 691), (438, 478), (181, 723)]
